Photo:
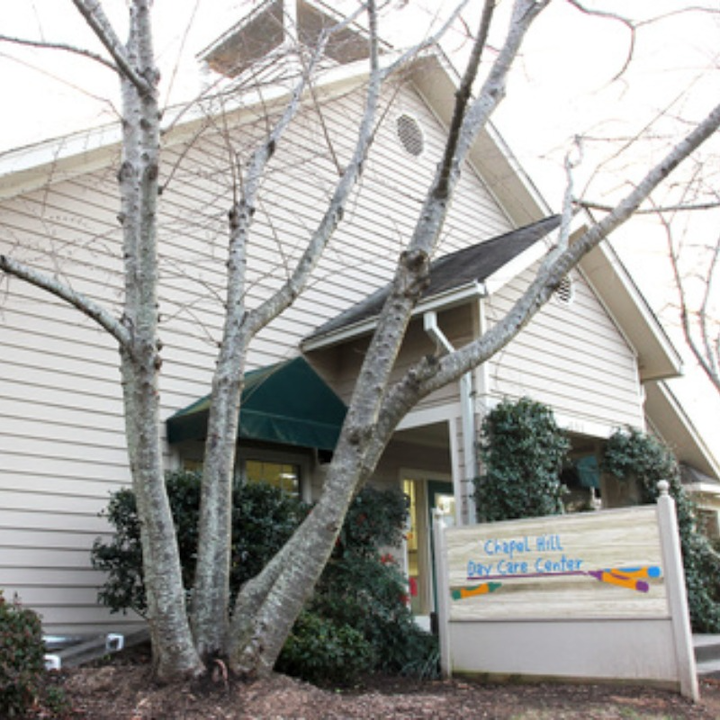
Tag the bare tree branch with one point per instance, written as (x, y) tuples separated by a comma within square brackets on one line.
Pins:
[(705, 350), (95, 17), (432, 373), (462, 95), (44, 45), (675, 13), (427, 42), (274, 305), (618, 18), (591, 205), (244, 211), (212, 569), (176, 65), (375, 414), (60, 290)]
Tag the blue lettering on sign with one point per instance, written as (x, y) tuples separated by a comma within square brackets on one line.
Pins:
[(507, 567), (563, 565), (494, 546), (504, 558), (479, 569), (548, 543)]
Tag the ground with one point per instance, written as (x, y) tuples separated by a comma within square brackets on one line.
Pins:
[(123, 691), (115, 693)]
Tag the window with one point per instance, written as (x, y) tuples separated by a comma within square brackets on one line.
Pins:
[(287, 470), (285, 476), (707, 520)]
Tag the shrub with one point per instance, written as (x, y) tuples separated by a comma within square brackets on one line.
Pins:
[(321, 651), (523, 451), (121, 557), (632, 455), (376, 518), (263, 518), (22, 662), (369, 593), (359, 606), (363, 589)]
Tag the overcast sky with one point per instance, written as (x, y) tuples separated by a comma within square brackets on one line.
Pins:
[(562, 85)]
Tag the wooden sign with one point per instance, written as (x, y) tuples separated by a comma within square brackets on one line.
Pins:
[(588, 565)]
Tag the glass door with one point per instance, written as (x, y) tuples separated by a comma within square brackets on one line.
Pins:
[(423, 497), (440, 497)]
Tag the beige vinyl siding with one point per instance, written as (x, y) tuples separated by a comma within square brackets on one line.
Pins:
[(61, 453), (341, 366), (572, 357), (62, 449), (401, 456)]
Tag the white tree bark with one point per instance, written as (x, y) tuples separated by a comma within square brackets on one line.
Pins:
[(174, 651), (211, 589)]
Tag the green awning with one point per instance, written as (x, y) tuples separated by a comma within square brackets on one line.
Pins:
[(287, 403)]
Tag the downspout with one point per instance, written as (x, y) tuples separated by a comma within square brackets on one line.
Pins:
[(467, 414)]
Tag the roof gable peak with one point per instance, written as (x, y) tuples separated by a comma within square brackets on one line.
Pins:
[(276, 28)]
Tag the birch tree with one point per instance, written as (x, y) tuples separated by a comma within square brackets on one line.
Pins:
[(249, 630)]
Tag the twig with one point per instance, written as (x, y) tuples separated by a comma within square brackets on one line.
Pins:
[(43, 45)]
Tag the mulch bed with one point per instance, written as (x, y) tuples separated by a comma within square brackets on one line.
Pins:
[(122, 690)]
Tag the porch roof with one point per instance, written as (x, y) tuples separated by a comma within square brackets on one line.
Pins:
[(287, 403), (471, 268)]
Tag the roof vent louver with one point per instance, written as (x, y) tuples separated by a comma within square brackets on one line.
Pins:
[(410, 135), (565, 292)]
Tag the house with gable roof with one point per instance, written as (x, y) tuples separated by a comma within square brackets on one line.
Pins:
[(596, 354)]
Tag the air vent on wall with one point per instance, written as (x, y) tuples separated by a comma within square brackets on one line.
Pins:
[(410, 135), (565, 291)]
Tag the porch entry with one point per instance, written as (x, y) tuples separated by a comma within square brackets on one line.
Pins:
[(424, 494)]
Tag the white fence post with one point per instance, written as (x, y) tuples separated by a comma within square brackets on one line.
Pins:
[(443, 593), (676, 592)]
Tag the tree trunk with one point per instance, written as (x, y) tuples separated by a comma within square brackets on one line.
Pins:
[(211, 590), (174, 653), (267, 607)]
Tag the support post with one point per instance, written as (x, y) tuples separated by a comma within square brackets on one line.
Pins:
[(443, 593), (676, 593)]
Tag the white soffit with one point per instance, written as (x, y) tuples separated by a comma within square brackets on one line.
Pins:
[(34, 166), (668, 417)]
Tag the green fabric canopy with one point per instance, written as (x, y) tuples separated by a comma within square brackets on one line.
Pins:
[(287, 403)]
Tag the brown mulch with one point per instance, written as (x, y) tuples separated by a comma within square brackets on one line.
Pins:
[(122, 690), (124, 693)]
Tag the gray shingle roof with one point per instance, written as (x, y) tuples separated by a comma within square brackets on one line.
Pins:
[(472, 264)]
